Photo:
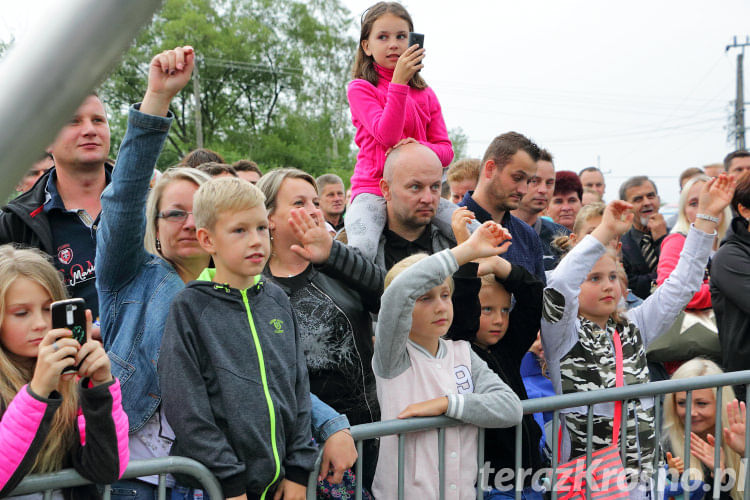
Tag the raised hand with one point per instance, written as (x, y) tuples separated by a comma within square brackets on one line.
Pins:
[(734, 434), (460, 221), (429, 408), (339, 454), (57, 351), (617, 219), (716, 195), (315, 241), (488, 240), (675, 463), (657, 226), (168, 73), (408, 64), (705, 450)]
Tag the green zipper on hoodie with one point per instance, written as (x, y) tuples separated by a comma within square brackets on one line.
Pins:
[(208, 275)]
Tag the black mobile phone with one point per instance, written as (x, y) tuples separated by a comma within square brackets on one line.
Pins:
[(70, 314), (417, 38)]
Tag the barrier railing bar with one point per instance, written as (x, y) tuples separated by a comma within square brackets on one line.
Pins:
[(107, 495), (401, 441), (312, 480), (45, 104), (358, 471), (624, 430), (69, 478), (481, 473), (688, 427), (657, 419), (650, 389), (518, 459), (47, 495), (555, 446), (717, 448), (589, 433), (162, 486), (441, 463)]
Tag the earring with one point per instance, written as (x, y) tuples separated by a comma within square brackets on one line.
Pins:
[(158, 246)]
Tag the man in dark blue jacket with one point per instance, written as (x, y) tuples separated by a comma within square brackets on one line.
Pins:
[(507, 167)]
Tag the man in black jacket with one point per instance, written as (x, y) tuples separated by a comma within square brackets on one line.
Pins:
[(60, 214), (641, 245)]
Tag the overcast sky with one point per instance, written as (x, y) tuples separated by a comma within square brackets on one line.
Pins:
[(636, 87)]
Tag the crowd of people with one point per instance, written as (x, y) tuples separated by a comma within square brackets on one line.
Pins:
[(248, 319)]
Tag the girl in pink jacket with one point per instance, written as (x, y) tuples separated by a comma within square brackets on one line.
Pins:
[(50, 421), (391, 105)]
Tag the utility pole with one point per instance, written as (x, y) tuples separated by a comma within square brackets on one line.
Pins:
[(739, 103), (197, 98)]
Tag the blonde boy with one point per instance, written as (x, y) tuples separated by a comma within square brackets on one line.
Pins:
[(233, 377)]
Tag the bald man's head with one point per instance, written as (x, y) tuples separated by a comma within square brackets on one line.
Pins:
[(411, 154), (411, 187)]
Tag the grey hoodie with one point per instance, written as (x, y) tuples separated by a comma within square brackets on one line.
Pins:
[(235, 387)]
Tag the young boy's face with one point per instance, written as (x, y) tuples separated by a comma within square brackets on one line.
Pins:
[(433, 313), (493, 322), (239, 243)]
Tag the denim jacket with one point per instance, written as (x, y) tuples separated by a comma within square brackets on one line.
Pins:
[(136, 288)]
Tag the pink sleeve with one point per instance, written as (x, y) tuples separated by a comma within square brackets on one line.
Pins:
[(121, 426), (18, 428), (668, 258), (437, 132), (385, 124)]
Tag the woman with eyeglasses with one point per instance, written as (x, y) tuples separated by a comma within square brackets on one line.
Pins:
[(143, 259)]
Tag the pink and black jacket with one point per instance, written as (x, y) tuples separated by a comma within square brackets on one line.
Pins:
[(100, 450)]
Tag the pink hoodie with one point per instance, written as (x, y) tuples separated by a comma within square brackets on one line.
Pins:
[(384, 115), (26, 423)]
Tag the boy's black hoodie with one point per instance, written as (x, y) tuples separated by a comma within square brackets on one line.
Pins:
[(234, 385), (504, 358)]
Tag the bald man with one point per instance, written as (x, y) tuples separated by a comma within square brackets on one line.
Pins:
[(411, 187)]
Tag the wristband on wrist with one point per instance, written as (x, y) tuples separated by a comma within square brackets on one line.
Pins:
[(707, 217)]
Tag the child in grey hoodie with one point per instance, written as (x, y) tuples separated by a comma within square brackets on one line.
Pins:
[(412, 363), (233, 376)]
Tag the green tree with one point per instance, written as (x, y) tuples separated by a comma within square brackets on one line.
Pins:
[(271, 81), (460, 142)]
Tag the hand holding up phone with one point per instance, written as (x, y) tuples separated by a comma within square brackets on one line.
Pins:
[(410, 61), (57, 351), (61, 355)]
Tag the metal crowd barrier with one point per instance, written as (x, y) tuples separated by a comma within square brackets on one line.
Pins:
[(555, 404), (69, 478)]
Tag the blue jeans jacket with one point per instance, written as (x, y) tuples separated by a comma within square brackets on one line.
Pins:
[(136, 288)]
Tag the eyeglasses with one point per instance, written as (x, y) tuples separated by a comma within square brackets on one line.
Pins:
[(173, 215)]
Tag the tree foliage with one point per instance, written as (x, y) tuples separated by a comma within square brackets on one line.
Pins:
[(271, 79), (460, 142)]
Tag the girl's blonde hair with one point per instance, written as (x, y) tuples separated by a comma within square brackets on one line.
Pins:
[(35, 266), (364, 65), (674, 429), (682, 225), (405, 263)]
